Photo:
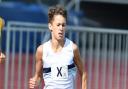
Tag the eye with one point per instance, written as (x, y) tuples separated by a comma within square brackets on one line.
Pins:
[(63, 25), (58, 24)]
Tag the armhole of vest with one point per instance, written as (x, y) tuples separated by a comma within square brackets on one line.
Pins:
[(45, 46), (71, 42), (42, 52)]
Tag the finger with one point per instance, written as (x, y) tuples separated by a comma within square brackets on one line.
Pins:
[(32, 83), (31, 86), (3, 56), (2, 60)]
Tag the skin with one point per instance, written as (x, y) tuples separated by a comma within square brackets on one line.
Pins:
[(57, 28), (2, 57)]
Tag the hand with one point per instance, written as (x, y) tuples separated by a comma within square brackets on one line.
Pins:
[(33, 82), (2, 57)]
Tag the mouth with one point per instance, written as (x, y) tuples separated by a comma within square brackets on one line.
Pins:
[(60, 34)]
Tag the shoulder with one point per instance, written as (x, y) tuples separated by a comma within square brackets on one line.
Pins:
[(42, 47), (75, 47), (39, 50), (76, 51)]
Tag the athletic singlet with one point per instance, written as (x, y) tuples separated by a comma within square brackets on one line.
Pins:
[(58, 68)]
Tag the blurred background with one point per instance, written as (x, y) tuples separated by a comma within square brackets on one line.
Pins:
[(98, 27)]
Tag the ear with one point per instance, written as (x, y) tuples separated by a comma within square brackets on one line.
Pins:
[(50, 26)]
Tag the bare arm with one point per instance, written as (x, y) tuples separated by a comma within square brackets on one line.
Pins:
[(80, 67), (33, 82), (39, 54)]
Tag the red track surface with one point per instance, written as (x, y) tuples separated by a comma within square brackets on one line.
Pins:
[(93, 78)]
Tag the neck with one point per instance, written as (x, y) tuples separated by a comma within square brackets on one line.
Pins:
[(57, 45)]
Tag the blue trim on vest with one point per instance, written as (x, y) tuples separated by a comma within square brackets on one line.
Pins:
[(47, 70)]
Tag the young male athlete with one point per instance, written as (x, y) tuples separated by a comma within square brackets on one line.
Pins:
[(58, 56)]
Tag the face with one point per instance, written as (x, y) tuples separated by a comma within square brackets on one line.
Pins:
[(57, 27)]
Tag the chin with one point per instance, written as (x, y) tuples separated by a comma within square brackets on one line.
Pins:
[(60, 38)]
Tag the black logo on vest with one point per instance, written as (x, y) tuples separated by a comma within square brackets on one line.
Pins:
[(59, 71)]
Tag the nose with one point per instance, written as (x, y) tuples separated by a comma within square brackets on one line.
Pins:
[(61, 27)]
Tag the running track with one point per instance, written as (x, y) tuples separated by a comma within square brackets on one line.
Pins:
[(93, 78)]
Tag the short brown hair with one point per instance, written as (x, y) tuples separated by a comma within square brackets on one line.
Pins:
[(56, 10)]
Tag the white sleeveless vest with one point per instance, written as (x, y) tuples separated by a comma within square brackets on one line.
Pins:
[(58, 68)]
